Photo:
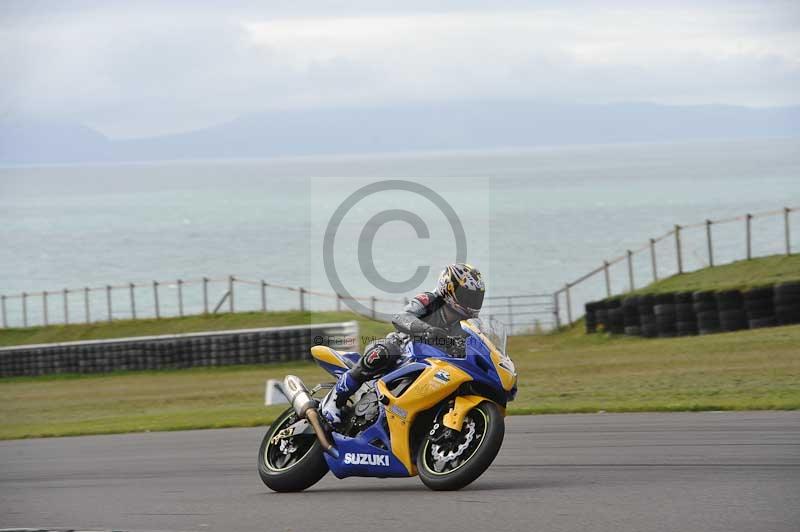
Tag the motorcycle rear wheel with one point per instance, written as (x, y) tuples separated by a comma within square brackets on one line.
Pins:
[(468, 455), (292, 471)]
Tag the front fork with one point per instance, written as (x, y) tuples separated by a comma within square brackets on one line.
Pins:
[(445, 427), (454, 419)]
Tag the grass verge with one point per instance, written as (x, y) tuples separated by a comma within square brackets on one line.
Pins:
[(739, 275), (566, 372)]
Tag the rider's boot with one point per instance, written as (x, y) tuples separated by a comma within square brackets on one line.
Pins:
[(332, 406)]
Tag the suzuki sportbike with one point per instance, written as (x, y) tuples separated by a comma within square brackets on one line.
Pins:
[(437, 416)]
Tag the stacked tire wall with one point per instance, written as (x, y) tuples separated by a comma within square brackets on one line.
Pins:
[(691, 313), (252, 346)]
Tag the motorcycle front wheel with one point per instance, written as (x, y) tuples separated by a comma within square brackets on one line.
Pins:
[(292, 463), (454, 462)]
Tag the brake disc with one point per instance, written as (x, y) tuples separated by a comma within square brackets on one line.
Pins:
[(288, 447), (441, 458)]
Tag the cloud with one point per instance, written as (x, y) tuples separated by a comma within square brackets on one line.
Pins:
[(140, 69)]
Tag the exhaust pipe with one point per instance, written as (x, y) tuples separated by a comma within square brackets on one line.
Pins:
[(306, 407)]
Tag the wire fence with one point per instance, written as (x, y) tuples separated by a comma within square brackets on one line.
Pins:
[(206, 296), (161, 299), (521, 314), (683, 248)]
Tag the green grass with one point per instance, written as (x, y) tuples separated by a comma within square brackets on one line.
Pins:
[(737, 275), (151, 327), (566, 372), (562, 372), (575, 372)]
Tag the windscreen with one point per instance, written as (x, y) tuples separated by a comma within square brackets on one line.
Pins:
[(494, 330)]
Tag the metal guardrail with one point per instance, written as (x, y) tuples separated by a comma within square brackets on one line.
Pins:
[(563, 313), (218, 348)]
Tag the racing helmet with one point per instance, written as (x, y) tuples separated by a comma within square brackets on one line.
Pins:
[(461, 287)]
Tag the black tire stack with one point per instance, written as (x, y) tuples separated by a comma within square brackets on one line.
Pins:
[(732, 316), (591, 316), (691, 313), (787, 303), (685, 318), (616, 317), (666, 318), (601, 316), (705, 309), (647, 316), (630, 316), (759, 306)]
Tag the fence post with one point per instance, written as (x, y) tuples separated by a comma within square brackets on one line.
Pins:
[(678, 248), (556, 312), (24, 309), (86, 304), (630, 270), (302, 299), (653, 258), (569, 304), (231, 306), (180, 298), (131, 287), (66, 306), (608, 278), (372, 307), (786, 211), (44, 308), (710, 245), (338, 302), (510, 315), (263, 296), (748, 219), (155, 299), (205, 295), (3, 304), (108, 300)]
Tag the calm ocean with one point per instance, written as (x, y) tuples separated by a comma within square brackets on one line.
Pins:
[(533, 219)]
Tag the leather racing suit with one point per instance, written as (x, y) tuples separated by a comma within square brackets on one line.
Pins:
[(425, 318)]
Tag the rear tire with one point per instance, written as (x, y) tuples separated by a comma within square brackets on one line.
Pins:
[(299, 472), (489, 433)]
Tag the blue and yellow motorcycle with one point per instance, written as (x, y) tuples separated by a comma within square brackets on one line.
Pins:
[(438, 416)]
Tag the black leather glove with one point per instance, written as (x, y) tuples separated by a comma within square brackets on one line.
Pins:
[(436, 332)]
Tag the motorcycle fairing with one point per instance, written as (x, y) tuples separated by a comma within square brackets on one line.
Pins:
[(362, 446), (438, 380), (333, 361)]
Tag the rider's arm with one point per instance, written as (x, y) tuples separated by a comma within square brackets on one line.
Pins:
[(409, 320)]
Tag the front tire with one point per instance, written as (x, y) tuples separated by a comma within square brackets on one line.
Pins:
[(451, 465), (293, 470)]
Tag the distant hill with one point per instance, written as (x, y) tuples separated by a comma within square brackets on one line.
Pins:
[(51, 142), (463, 125)]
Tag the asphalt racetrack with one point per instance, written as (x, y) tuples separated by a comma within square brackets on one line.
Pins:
[(602, 472)]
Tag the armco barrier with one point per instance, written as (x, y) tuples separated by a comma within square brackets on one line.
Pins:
[(222, 348)]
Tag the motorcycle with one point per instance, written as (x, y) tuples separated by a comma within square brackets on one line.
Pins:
[(437, 416)]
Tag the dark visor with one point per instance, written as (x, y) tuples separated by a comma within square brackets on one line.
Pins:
[(471, 299)]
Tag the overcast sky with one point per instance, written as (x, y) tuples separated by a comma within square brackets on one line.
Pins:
[(141, 68)]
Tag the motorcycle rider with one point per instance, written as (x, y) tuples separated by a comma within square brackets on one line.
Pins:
[(428, 317)]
